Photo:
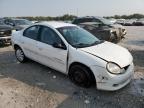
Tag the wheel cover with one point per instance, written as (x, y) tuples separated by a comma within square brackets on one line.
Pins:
[(19, 54), (79, 77)]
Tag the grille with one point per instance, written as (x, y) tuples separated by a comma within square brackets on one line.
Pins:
[(5, 33), (126, 67)]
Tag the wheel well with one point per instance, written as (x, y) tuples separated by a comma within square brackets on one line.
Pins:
[(16, 46), (91, 73)]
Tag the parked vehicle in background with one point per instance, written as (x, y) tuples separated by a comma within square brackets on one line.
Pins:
[(116, 31), (75, 52), (101, 32), (129, 22), (112, 20), (34, 22), (120, 21), (5, 32), (68, 21), (139, 22), (17, 24)]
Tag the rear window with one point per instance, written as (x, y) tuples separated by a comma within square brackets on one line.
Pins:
[(83, 20)]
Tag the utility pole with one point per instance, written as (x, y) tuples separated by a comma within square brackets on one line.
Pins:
[(77, 12)]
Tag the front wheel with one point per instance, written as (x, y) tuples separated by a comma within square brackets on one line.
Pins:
[(20, 55), (80, 76)]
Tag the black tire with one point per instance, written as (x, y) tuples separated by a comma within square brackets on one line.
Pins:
[(20, 55), (81, 76)]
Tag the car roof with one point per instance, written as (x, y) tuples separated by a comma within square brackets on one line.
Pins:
[(89, 17), (55, 24), (89, 23), (18, 19)]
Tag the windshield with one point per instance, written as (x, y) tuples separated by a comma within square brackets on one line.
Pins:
[(2, 22), (105, 21), (22, 22), (78, 37)]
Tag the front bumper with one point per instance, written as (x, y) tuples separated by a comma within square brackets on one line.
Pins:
[(111, 82), (6, 39)]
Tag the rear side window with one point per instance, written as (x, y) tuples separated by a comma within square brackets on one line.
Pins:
[(49, 36), (32, 32)]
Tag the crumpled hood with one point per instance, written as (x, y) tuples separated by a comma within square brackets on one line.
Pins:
[(111, 53)]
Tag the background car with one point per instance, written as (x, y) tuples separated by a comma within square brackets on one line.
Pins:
[(74, 51), (5, 32), (17, 24), (112, 20), (120, 21), (119, 30), (129, 22), (101, 32), (139, 22)]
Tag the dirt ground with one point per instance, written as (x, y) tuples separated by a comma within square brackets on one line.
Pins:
[(32, 85)]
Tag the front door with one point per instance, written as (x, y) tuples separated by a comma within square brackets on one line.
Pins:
[(49, 55)]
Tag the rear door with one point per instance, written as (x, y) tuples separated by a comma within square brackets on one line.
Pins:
[(29, 41)]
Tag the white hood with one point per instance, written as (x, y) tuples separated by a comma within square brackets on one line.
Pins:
[(111, 53)]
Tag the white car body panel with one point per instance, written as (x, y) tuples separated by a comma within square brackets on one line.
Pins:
[(95, 57), (53, 57), (111, 53)]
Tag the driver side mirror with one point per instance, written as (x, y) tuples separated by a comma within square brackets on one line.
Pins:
[(59, 45)]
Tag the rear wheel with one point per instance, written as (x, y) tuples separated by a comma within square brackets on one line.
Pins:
[(81, 76), (20, 55)]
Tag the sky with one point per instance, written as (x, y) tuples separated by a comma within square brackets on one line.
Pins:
[(13, 8)]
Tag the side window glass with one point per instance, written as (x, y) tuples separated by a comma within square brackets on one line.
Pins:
[(98, 21), (7, 21), (49, 36), (32, 32)]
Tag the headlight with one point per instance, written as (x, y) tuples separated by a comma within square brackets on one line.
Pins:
[(113, 68), (13, 30), (111, 31)]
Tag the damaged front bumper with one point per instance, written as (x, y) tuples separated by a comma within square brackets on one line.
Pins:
[(112, 82)]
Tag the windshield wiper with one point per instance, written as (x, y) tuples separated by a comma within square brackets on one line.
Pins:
[(80, 45), (97, 42)]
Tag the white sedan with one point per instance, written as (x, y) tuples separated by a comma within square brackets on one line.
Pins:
[(71, 50)]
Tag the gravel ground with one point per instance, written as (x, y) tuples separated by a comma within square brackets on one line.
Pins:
[(32, 85)]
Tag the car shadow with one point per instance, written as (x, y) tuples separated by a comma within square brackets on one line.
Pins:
[(138, 57), (37, 75)]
